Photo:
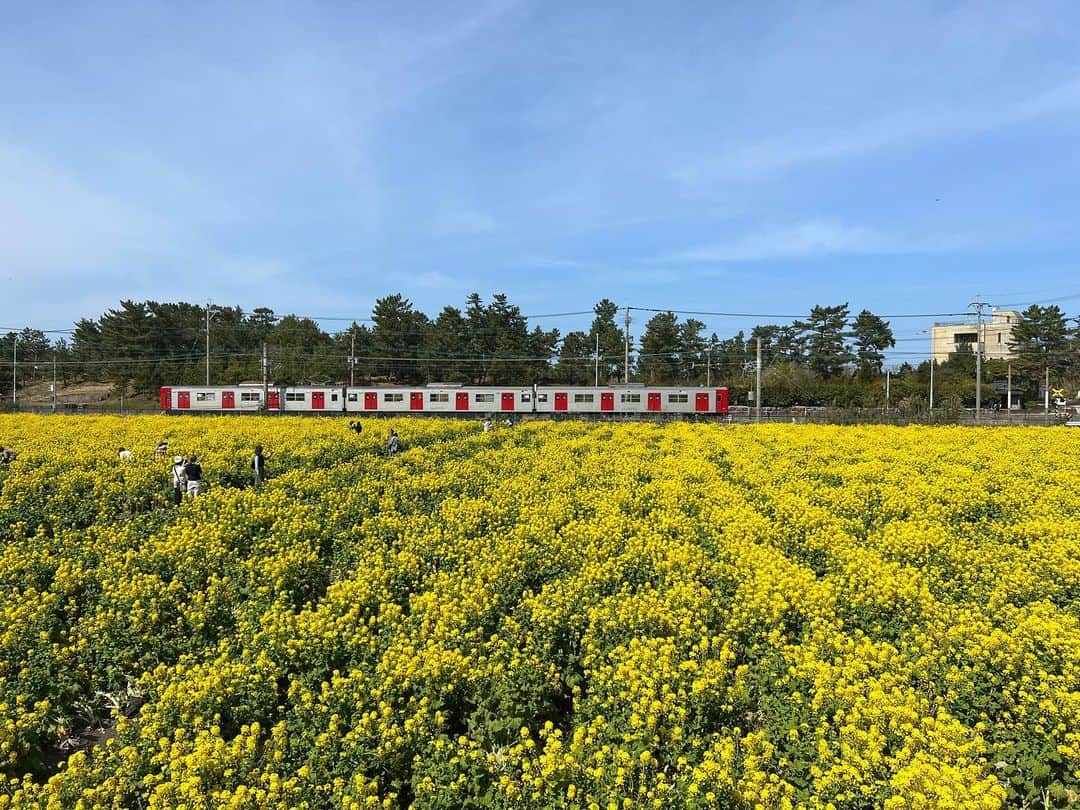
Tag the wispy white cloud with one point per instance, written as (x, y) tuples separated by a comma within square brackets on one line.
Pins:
[(823, 238), (903, 129)]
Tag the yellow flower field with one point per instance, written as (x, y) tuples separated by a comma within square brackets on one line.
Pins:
[(550, 615)]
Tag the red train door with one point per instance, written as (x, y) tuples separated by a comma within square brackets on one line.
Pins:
[(654, 401), (607, 400), (371, 400), (560, 400), (228, 400), (318, 400), (416, 400), (701, 402), (183, 400), (273, 401), (508, 401), (166, 399), (721, 400), (461, 400)]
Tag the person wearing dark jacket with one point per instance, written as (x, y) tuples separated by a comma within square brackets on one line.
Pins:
[(258, 464), (193, 473)]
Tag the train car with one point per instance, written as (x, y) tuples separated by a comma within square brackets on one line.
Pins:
[(631, 399), (305, 399), (211, 399), (440, 399)]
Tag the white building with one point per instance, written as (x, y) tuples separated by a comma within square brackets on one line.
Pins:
[(947, 338)]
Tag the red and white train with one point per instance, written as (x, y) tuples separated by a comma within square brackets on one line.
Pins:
[(447, 399)]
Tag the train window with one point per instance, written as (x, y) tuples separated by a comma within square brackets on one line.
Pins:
[(354, 397), (484, 398), (541, 397), (333, 397), (295, 396), (206, 396), (583, 397), (630, 398), (526, 396), (393, 397), (250, 396), (438, 396), (678, 397)]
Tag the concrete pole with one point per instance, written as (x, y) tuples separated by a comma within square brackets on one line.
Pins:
[(933, 363), (626, 354), (1046, 395), (266, 380), (757, 385), (596, 363), (1008, 395), (208, 344), (978, 361)]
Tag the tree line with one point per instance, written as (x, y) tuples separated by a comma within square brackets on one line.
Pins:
[(830, 357)]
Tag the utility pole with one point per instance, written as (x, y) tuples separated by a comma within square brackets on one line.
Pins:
[(978, 305), (1046, 395), (596, 363), (211, 310), (54, 381), (757, 384), (626, 352), (352, 354), (888, 380), (266, 380), (708, 368), (1008, 395), (933, 362), (14, 360)]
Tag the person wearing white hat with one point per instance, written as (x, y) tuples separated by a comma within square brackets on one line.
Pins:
[(179, 479)]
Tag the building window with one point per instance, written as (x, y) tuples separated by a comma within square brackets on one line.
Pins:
[(393, 397), (583, 397), (206, 396), (964, 337), (250, 396), (999, 337), (484, 398), (436, 396), (678, 398), (295, 396), (630, 398)]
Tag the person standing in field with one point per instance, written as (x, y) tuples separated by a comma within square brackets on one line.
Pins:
[(179, 480), (193, 474), (124, 454), (393, 444), (355, 426), (258, 464), (161, 449)]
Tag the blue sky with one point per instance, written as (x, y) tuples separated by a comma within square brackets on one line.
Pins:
[(723, 157)]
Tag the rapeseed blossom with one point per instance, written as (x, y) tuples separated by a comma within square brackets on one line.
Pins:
[(562, 615)]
